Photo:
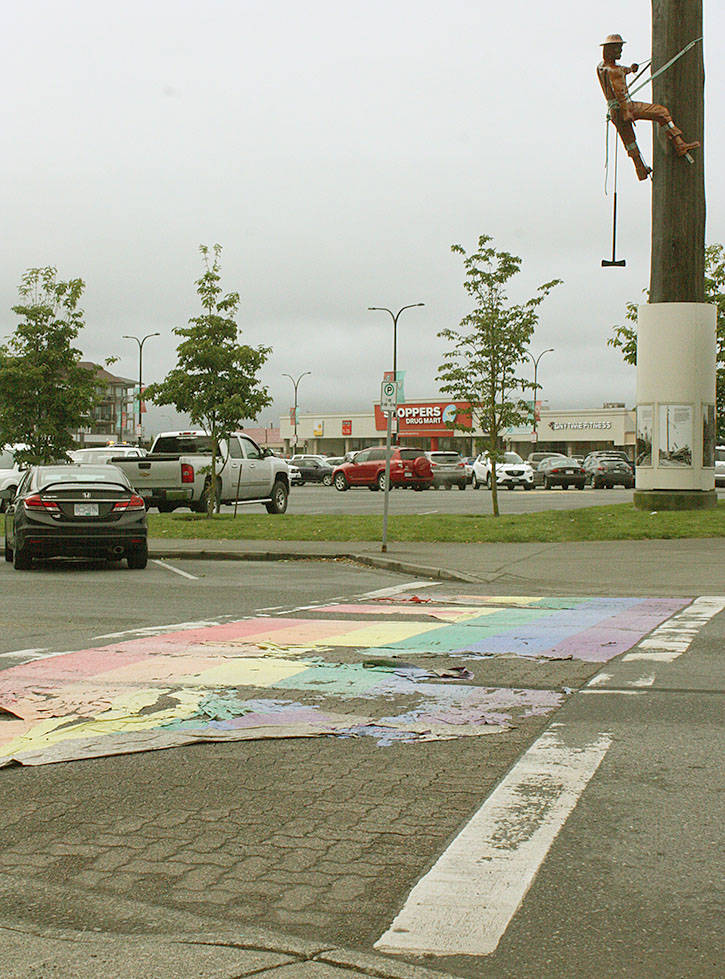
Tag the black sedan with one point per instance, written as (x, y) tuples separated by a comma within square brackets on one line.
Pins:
[(561, 471), (76, 511), (313, 470)]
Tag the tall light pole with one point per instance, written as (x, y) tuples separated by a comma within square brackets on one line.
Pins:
[(295, 384), (384, 309), (535, 362), (140, 371)]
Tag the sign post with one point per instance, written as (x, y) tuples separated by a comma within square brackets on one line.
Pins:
[(388, 405)]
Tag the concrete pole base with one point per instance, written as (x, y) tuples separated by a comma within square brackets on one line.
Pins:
[(675, 499)]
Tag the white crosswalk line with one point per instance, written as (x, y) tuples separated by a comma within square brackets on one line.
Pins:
[(466, 901)]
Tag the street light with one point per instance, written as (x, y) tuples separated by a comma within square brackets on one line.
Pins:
[(384, 309), (295, 383), (140, 372), (535, 362)]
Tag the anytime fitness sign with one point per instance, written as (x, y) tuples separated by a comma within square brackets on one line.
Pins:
[(426, 417)]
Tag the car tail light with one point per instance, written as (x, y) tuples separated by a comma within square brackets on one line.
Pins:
[(135, 503), (187, 473), (461, 465), (36, 503)]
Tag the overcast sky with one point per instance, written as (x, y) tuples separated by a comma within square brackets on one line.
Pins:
[(336, 151)]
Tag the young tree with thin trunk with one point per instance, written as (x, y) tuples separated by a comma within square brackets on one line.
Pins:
[(44, 394), (482, 366), (216, 378)]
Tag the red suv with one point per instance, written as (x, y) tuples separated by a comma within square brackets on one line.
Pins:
[(408, 467)]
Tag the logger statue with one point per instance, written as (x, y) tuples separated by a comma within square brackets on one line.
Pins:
[(624, 112)]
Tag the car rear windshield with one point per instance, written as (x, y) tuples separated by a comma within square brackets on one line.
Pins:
[(445, 457), (80, 474), (183, 445)]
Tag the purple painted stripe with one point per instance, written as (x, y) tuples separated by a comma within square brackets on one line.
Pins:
[(615, 635)]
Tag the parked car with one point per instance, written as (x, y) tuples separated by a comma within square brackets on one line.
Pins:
[(468, 463), (511, 471), (409, 467), (448, 469), (313, 469), (100, 454), (534, 458), (720, 465), (539, 474), (11, 472), (176, 472), (295, 476), (561, 471), (590, 463), (609, 471), (76, 510)]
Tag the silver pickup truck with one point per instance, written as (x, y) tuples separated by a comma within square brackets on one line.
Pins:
[(177, 472)]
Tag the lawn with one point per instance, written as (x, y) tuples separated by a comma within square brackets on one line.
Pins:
[(618, 522)]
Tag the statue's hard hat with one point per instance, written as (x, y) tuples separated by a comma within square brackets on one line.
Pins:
[(613, 39)]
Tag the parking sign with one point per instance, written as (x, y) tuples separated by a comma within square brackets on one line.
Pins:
[(388, 397)]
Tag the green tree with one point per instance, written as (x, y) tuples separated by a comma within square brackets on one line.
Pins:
[(481, 368), (624, 337), (215, 380), (44, 394)]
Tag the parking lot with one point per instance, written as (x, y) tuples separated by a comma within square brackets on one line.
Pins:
[(315, 498)]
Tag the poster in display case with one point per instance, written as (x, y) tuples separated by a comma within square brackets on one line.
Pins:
[(709, 436), (675, 436), (645, 424)]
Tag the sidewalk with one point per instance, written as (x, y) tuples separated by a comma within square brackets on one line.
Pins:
[(648, 567)]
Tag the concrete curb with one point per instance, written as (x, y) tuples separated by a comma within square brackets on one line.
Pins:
[(384, 563)]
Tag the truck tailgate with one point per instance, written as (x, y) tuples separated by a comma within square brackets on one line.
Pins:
[(155, 476)]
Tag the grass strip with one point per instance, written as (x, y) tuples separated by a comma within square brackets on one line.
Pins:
[(618, 522)]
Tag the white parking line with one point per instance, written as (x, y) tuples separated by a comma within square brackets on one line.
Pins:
[(169, 567), (464, 904)]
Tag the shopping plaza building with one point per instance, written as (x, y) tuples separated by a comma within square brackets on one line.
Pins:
[(427, 424)]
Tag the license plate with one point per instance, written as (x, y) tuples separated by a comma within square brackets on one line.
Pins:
[(408, 473), (85, 509)]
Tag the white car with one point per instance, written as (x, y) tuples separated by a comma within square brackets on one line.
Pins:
[(10, 473), (511, 471), (99, 454), (295, 475)]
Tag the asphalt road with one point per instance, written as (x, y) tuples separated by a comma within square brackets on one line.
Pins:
[(325, 837)]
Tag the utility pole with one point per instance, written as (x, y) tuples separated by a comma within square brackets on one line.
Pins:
[(676, 329), (677, 273)]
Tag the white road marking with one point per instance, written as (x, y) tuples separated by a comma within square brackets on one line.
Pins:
[(398, 589), (464, 904), (156, 630), (613, 690), (28, 653), (673, 637), (644, 681), (170, 567), (599, 678)]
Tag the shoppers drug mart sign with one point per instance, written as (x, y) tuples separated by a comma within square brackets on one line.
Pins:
[(426, 417)]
